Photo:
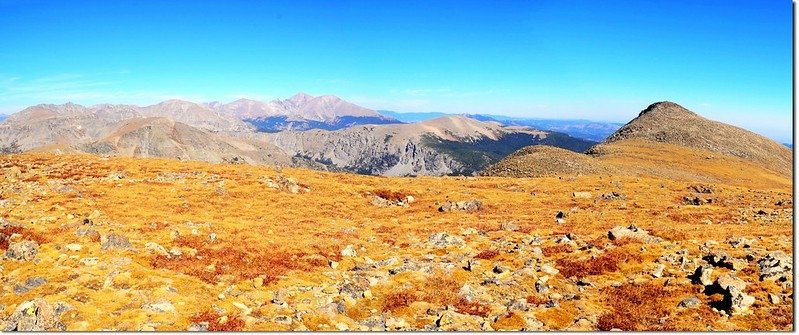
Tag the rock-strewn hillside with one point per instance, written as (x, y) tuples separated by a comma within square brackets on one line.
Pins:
[(448, 145), (666, 140), (671, 123)]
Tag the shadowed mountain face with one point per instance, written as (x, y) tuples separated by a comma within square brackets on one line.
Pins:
[(443, 146)]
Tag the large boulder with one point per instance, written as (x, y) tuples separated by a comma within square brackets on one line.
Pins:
[(736, 301), (115, 241), (443, 240)]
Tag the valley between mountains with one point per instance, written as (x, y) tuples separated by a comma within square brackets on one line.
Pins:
[(144, 218)]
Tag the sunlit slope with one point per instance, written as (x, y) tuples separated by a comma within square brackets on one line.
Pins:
[(219, 246)]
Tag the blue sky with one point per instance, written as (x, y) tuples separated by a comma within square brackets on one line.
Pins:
[(600, 60)]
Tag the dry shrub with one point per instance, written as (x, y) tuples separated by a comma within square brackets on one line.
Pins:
[(606, 262), (624, 241), (537, 299), (233, 323), (390, 195), (7, 231), (242, 261), (510, 321), (487, 254), (635, 307), (669, 234), (397, 300), (464, 306), (556, 249)]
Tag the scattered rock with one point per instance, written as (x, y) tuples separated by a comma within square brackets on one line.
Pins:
[(115, 241), (613, 196), (702, 275), (155, 248), (658, 271), (509, 226), (741, 243), (443, 240), (704, 189), (721, 259), (159, 307), (349, 251), (774, 299), (286, 185), (90, 261), (775, 265), (696, 201), (23, 251), (465, 206)]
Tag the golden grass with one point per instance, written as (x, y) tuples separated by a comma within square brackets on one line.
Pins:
[(288, 240)]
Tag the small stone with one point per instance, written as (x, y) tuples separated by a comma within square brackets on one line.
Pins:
[(550, 270), (692, 302), (342, 326), (155, 248), (349, 251), (90, 261), (774, 299), (159, 307), (258, 282), (333, 264), (244, 309), (73, 247), (115, 241), (658, 271)]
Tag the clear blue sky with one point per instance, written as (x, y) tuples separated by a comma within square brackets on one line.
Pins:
[(600, 60)]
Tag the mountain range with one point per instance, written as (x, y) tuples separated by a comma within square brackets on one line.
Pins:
[(585, 129), (351, 138)]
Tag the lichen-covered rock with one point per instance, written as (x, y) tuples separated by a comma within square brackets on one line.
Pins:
[(775, 265), (35, 315), (23, 251), (632, 232), (115, 241), (465, 206), (443, 240)]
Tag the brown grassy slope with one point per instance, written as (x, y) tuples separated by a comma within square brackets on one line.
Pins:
[(544, 160), (287, 241)]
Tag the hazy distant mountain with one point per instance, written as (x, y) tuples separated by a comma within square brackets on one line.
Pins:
[(788, 145), (590, 130), (163, 137), (447, 145), (413, 117), (301, 112), (216, 132)]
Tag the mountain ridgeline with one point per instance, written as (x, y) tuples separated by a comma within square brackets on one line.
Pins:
[(665, 140), (322, 132)]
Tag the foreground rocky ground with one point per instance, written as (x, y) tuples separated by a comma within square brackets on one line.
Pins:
[(132, 244)]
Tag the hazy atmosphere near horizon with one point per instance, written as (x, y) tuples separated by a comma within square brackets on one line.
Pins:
[(595, 60), (437, 165)]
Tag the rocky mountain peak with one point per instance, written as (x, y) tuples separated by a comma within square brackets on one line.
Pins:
[(300, 98)]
